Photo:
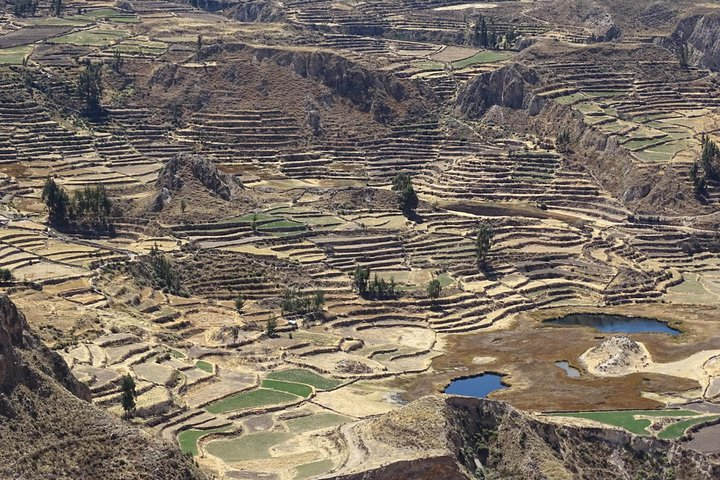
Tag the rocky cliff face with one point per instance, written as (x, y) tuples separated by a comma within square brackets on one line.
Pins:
[(511, 87), (369, 91), (48, 428), (464, 438), (701, 33)]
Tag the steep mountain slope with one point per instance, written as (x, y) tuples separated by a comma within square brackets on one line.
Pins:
[(462, 438), (49, 430)]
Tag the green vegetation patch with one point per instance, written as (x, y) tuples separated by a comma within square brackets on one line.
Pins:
[(485, 56), (14, 55), (445, 280), (254, 398), (295, 388), (313, 469), (308, 377), (570, 99), (315, 422), (677, 430), (91, 38), (247, 447), (428, 65), (188, 439), (627, 418), (204, 366)]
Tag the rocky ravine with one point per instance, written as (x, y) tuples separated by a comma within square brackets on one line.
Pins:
[(464, 438), (49, 430)]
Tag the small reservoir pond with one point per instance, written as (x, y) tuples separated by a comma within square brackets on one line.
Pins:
[(478, 386), (607, 323), (571, 372)]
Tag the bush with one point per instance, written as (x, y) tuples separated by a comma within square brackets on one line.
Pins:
[(239, 303), (434, 288), (5, 274), (89, 88)]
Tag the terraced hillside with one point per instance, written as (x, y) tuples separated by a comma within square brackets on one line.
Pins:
[(283, 219)]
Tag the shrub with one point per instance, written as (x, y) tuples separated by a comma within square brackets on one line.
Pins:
[(165, 276), (408, 199), (239, 303), (128, 395), (5, 274), (271, 327), (89, 88), (434, 288)]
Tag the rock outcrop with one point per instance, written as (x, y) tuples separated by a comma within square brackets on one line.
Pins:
[(186, 167), (48, 428), (616, 356), (465, 438), (701, 36), (508, 86)]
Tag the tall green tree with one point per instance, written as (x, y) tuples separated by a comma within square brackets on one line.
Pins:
[(56, 7), (360, 279), (89, 88), (57, 201), (408, 199), (434, 288), (483, 243), (128, 395)]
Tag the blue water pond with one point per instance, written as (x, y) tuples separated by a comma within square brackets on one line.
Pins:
[(478, 386), (607, 323)]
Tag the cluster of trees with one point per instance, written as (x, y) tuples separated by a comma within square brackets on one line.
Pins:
[(89, 208), (377, 289), (25, 8), (408, 199), (89, 88), (165, 276), (296, 302), (708, 167), (485, 35)]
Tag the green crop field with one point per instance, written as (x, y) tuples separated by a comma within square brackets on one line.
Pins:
[(188, 438), (626, 418), (252, 399), (486, 56), (295, 388), (312, 469), (677, 430), (204, 366), (14, 55), (307, 377), (91, 38), (246, 447), (315, 422)]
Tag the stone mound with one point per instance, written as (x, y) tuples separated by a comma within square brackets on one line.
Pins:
[(616, 356), (186, 169)]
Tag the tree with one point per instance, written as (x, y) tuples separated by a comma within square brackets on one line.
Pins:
[(434, 288), (360, 279), (710, 159), (57, 201), (239, 303), (5, 274), (25, 7), (271, 327), (56, 7), (481, 32), (198, 45), (408, 199), (253, 222), (166, 278), (183, 206), (562, 141), (128, 395), (318, 300), (483, 243), (117, 61), (89, 88)]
